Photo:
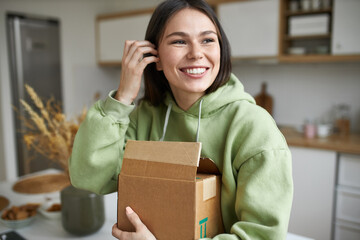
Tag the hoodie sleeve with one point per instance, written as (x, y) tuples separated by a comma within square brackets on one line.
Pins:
[(98, 147), (263, 197)]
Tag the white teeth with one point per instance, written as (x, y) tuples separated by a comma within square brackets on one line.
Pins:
[(195, 70)]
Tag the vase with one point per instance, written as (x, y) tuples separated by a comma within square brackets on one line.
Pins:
[(82, 211)]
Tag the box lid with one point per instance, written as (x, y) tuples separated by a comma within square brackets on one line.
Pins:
[(208, 166), (169, 160)]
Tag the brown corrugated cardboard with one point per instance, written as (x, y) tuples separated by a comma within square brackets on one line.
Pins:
[(159, 181)]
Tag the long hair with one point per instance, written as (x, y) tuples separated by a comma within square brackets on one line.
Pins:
[(156, 84)]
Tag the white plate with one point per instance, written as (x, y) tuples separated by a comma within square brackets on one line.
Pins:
[(46, 205)]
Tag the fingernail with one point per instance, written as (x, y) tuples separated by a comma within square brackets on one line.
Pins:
[(129, 210)]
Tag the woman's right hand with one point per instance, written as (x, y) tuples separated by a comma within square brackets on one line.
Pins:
[(132, 67)]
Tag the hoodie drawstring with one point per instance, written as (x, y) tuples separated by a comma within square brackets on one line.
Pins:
[(198, 128), (167, 121)]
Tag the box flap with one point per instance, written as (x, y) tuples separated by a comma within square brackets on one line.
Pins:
[(170, 160), (208, 166)]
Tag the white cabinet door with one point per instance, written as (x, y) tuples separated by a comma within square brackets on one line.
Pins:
[(347, 217), (112, 33), (251, 26), (314, 181), (346, 27)]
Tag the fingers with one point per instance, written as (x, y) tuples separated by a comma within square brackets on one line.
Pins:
[(141, 231), (117, 233), (133, 65), (134, 219), (135, 50)]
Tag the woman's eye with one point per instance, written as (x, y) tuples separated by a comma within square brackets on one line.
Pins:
[(208, 40), (178, 42)]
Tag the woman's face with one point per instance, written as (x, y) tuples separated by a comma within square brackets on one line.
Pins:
[(189, 53)]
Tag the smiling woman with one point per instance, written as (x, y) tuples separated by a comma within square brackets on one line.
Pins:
[(188, 81), (194, 62)]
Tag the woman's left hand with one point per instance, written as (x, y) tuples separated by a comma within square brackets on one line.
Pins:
[(141, 231)]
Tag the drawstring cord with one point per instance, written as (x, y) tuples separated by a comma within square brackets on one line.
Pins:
[(198, 128), (167, 121)]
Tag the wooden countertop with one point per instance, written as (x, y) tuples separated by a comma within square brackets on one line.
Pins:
[(343, 144)]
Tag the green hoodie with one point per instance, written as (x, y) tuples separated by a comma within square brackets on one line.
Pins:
[(241, 138)]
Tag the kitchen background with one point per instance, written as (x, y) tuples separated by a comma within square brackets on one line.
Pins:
[(300, 90)]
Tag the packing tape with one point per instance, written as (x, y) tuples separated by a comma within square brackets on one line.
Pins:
[(209, 188)]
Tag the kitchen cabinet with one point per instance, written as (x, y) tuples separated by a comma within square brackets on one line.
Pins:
[(304, 29), (256, 30), (113, 30), (251, 27), (337, 43), (346, 28), (347, 214), (314, 183)]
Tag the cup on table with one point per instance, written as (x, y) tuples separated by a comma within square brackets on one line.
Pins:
[(309, 130)]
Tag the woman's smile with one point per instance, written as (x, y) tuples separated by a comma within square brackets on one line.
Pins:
[(194, 72)]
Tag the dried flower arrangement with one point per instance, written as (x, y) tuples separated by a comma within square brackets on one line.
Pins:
[(49, 132)]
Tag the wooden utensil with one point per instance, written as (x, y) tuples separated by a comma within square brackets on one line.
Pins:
[(264, 100)]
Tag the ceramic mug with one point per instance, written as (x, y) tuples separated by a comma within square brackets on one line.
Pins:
[(309, 130), (315, 4), (324, 130), (294, 6), (326, 3), (82, 211), (305, 5)]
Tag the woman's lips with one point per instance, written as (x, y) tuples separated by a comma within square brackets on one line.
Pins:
[(194, 72)]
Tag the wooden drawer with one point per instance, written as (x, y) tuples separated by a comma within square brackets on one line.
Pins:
[(349, 170), (348, 204), (346, 231)]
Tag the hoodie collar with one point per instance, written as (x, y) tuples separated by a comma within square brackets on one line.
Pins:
[(231, 91)]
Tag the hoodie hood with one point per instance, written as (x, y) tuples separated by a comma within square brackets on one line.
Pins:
[(209, 104), (230, 92)]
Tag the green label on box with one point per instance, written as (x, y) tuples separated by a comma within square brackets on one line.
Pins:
[(202, 224)]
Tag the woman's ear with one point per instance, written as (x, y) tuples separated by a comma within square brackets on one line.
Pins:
[(159, 65)]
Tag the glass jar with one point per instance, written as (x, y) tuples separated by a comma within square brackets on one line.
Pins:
[(82, 211), (342, 122)]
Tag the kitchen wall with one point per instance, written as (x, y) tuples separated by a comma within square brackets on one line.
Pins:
[(306, 91), (299, 90)]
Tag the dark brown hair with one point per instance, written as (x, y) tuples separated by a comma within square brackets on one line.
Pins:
[(156, 84)]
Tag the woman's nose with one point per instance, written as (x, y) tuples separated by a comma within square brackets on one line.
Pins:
[(195, 52)]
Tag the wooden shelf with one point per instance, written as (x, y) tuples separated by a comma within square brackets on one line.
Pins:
[(300, 13), (308, 37), (344, 144), (318, 58)]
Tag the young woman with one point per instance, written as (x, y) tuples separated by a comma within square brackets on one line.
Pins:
[(188, 81)]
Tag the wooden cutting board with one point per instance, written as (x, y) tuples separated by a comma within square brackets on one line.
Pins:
[(263, 99), (4, 202)]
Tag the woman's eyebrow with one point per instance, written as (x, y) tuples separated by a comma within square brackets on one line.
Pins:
[(208, 32), (183, 34)]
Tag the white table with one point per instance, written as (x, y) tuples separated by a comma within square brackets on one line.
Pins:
[(51, 229)]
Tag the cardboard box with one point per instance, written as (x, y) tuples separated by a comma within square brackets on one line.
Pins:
[(309, 25), (162, 183)]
